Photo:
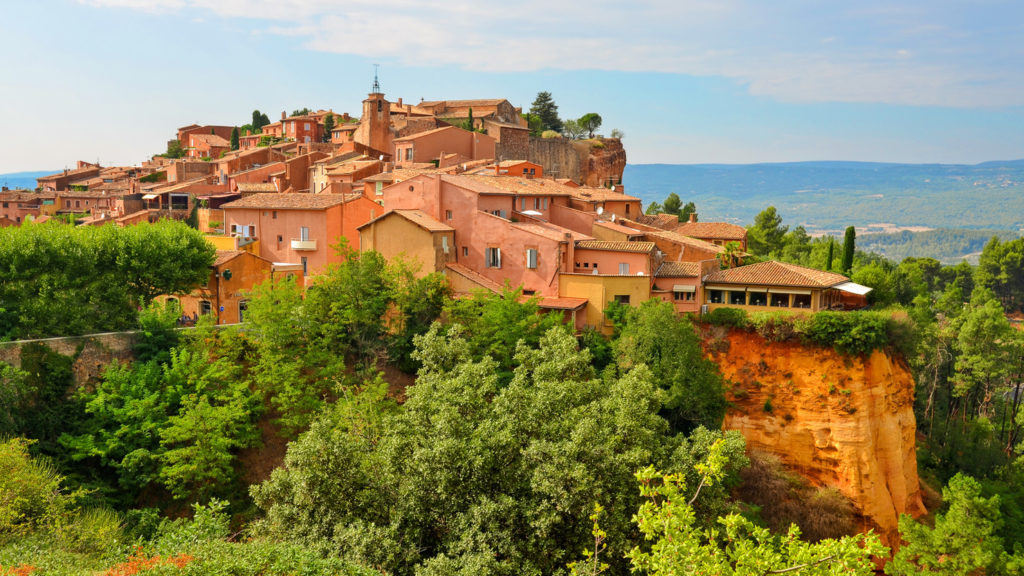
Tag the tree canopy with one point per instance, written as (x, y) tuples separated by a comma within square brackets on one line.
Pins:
[(546, 111)]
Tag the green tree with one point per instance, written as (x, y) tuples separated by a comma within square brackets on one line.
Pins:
[(471, 476), (767, 235), (259, 120), (544, 107), (831, 253), (656, 337), (963, 541), (300, 112), (174, 149), (590, 122), (687, 210), (573, 130), (328, 127), (200, 442), (849, 246), (738, 547), (535, 124), (875, 276), (234, 138), (673, 204)]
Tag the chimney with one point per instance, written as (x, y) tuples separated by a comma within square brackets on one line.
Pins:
[(399, 102), (620, 188), (693, 217), (283, 115)]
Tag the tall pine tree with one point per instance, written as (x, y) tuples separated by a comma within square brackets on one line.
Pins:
[(234, 138), (545, 108), (848, 247)]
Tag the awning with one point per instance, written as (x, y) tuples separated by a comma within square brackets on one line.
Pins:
[(853, 288), (730, 288), (150, 196), (684, 288)]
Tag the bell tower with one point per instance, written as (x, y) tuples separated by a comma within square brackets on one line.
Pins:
[(375, 124)]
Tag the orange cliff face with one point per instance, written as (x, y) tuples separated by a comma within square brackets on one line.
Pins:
[(840, 421)]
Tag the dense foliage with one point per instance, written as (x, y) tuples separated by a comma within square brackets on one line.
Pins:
[(62, 280)]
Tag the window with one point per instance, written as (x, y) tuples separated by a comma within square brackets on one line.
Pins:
[(682, 296), (408, 154), (623, 268), (758, 298), (305, 266), (544, 204), (627, 209), (205, 307), (305, 126), (536, 203), (531, 257), (465, 251), (780, 300), (715, 296), (444, 244), (78, 204), (586, 264), (522, 203), (379, 188), (737, 298), (447, 214), (493, 257), (279, 238), (801, 300), (242, 307), (622, 298), (275, 214), (303, 233)]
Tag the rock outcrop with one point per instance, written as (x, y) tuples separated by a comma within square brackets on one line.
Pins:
[(580, 160), (840, 421)]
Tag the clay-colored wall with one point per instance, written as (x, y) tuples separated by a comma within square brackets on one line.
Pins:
[(607, 261), (566, 217), (395, 236), (324, 227), (97, 350)]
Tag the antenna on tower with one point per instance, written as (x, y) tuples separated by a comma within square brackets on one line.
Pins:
[(376, 84)]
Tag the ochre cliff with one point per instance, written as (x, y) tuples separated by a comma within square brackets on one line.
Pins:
[(600, 167), (840, 421)]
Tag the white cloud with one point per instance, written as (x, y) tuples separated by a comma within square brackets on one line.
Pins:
[(916, 52)]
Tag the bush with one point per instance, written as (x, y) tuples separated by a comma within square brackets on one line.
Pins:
[(849, 332), (774, 326), (731, 317), (550, 134), (597, 144)]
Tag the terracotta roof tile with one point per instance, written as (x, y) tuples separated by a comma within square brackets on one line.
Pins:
[(564, 303), (716, 230), (616, 246), (521, 186), (685, 240), (288, 201), (224, 256), (601, 195), (549, 231), (257, 187), (619, 228), (679, 270), (417, 217), (773, 273), (475, 277)]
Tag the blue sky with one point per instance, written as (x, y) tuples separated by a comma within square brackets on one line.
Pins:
[(688, 81)]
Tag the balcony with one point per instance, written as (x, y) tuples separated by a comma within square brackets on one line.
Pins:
[(303, 244)]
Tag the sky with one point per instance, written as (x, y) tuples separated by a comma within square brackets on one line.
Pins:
[(686, 81)]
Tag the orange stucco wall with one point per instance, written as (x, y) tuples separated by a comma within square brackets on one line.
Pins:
[(607, 262)]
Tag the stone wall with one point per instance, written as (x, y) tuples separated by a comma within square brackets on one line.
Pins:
[(580, 160), (92, 353)]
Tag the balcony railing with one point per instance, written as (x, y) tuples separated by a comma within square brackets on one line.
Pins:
[(303, 244)]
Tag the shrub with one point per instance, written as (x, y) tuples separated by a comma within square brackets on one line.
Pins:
[(550, 134), (597, 144), (849, 332), (774, 326), (731, 317)]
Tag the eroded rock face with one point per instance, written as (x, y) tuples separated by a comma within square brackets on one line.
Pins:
[(604, 165), (840, 421)]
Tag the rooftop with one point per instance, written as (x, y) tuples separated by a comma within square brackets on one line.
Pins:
[(638, 247), (520, 186), (716, 230), (417, 217), (257, 187), (774, 273), (289, 201), (679, 270)]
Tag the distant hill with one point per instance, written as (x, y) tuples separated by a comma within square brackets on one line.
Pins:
[(26, 180), (828, 196)]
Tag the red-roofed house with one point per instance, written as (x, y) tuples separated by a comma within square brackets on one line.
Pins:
[(433, 144), (300, 228)]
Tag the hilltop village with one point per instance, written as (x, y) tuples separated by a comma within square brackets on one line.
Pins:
[(460, 187)]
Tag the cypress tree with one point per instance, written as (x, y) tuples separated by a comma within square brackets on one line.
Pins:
[(234, 138), (328, 127), (848, 248), (831, 253)]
